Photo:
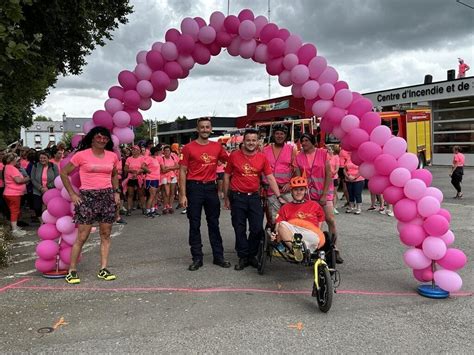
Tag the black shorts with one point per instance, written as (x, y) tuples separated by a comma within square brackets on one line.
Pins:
[(335, 182), (220, 176), (132, 183), (340, 173)]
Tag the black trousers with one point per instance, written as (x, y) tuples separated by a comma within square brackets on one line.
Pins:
[(245, 208), (3, 205), (204, 196), (456, 178)]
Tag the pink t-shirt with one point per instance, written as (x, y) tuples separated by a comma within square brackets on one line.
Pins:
[(154, 165), (458, 159), (334, 163), (169, 162), (95, 173), (44, 177), (2, 184), (11, 187), (24, 163), (353, 170), (134, 164)]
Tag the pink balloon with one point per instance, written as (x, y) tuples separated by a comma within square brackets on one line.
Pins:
[(329, 75), (116, 92), (335, 115), (141, 57), (190, 27), (275, 66), (45, 265), (88, 125), (448, 237), (70, 238), (454, 259), (360, 107), (290, 61), (320, 107), (414, 189), (369, 121), (121, 119), (337, 131), (424, 175), (47, 249), (423, 275), (217, 20), (380, 135), (172, 36), (292, 44), (185, 43), (309, 90), (326, 91), (436, 225), (356, 137), (76, 139), (65, 194), (285, 78), (47, 218), (224, 39), (339, 85), (173, 85), (201, 54), (434, 248), (415, 259), (58, 183), (127, 80), (306, 53), (207, 35), (159, 95), (65, 225), (173, 70), (186, 62), (260, 22), (200, 21), (317, 66), (65, 255), (48, 231), (435, 192), (136, 118), (385, 164), (247, 48), (296, 91), (131, 99), (261, 53), (428, 206), (104, 118), (367, 170), (405, 210), (143, 72), (247, 29), (378, 183), (349, 122), (408, 161), (160, 80), (400, 176), (111, 106), (155, 60), (368, 151), (232, 24), (393, 194), (58, 207), (268, 32), (276, 47), (145, 88), (246, 14), (343, 98), (50, 194), (355, 158), (125, 135), (395, 146), (445, 213), (169, 51), (299, 74), (412, 235), (447, 280)]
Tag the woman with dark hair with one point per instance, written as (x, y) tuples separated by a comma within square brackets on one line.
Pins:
[(457, 170), (98, 198), (169, 178), (135, 179), (153, 164), (42, 175)]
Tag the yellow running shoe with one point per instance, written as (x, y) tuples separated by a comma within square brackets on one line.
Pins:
[(106, 275), (72, 278)]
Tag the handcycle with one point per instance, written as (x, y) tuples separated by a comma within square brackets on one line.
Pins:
[(323, 261)]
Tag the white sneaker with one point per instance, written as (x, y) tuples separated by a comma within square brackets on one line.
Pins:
[(18, 232), (349, 210), (184, 211), (390, 213), (357, 211)]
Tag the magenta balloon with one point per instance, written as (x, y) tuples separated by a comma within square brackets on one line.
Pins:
[(306, 53), (380, 135), (261, 53), (216, 20), (369, 121), (169, 51), (127, 80), (200, 21), (427, 205), (435, 192), (173, 70), (50, 194), (173, 85), (246, 14), (454, 259), (247, 29), (299, 74), (424, 175), (131, 98), (224, 39), (360, 107), (399, 176), (395, 146), (436, 225), (185, 43), (368, 151), (70, 238), (408, 161), (434, 248), (47, 218), (356, 137), (201, 54), (260, 22), (159, 95), (111, 106), (190, 27), (155, 60), (309, 90), (76, 139), (88, 125), (296, 91), (247, 48), (47, 249), (338, 132), (103, 118), (143, 72), (285, 78), (385, 164), (393, 194), (415, 259), (144, 88), (378, 183), (414, 189), (207, 35), (121, 119), (172, 35), (290, 61), (350, 122), (355, 158), (283, 33), (145, 104), (45, 265), (424, 275), (329, 75), (339, 85), (116, 92), (412, 235), (48, 231), (276, 47), (367, 170), (405, 210), (268, 32), (445, 213), (326, 91), (448, 237), (447, 280), (231, 24), (65, 225), (275, 66), (125, 135), (58, 207), (292, 44), (58, 183), (136, 118), (65, 255), (160, 80), (335, 115), (320, 107), (342, 98), (214, 49)]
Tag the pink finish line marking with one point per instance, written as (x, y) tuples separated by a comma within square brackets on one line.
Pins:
[(14, 284), (214, 290)]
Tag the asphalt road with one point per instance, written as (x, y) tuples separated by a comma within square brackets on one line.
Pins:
[(157, 305)]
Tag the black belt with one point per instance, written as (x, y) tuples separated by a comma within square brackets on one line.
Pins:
[(198, 182), (246, 193)]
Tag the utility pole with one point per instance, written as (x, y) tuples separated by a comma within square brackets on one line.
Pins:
[(269, 78)]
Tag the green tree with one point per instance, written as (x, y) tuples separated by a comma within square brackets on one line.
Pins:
[(40, 40), (42, 118), (142, 133), (67, 136), (181, 119)]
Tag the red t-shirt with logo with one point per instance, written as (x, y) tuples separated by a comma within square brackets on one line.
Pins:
[(309, 211), (201, 160), (245, 171)]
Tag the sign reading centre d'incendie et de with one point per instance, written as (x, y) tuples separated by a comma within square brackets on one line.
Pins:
[(429, 92)]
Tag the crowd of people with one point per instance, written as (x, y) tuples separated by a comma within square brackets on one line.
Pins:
[(294, 191)]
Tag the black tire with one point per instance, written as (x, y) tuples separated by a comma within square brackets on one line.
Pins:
[(421, 160), (326, 290), (262, 254)]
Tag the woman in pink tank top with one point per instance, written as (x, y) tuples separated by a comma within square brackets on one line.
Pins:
[(457, 170)]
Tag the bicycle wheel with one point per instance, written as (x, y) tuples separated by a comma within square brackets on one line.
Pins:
[(262, 254), (326, 290)]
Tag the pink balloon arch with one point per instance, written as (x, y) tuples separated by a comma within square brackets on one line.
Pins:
[(422, 224)]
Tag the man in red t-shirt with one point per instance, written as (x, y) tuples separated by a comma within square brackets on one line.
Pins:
[(198, 189), (242, 175)]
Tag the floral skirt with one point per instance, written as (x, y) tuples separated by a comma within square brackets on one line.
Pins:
[(97, 206)]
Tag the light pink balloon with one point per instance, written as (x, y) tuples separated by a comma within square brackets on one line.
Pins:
[(343, 98), (70, 238), (65, 225), (143, 71), (436, 225), (378, 183), (217, 20), (399, 177), (190, 27), (448, 237), (207, 34), (247, 48), (296, 91), (395, 146), (157, 46), (141, 57), (320, 107), (412, 235), (385, 164), (290, 61), (260, 22), (424, 175), (349, 122), (261, 53), (125, 135), (309, 90), (58, 183), (338, 132), (145, 88), (316, 67), (435, 192), (415, 259), (454, 259), (186, 62), (292, 44), (111, 106), (48, 218), (408, 161), (285, 78), (127, 79), (45, 265), (326, 91), (414, 189), (447, 280), (65, 194), (428, 205), (405, 210), (247, 30), (299, 74), (434, 248), (169, 51), (121, 119), (329, 75), (368, 151), (367, 170), (88, 125), (380, 135)]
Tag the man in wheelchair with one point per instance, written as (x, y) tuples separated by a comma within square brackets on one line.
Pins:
[(299, 221)]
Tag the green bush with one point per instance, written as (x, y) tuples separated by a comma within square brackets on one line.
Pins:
[(5, 246)]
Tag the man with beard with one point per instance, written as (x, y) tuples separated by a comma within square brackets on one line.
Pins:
[(242, 175), (198, 189)]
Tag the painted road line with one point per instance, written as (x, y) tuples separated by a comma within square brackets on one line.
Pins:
[(14, 284)]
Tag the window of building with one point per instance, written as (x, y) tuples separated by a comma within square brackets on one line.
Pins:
[(37, 138), (50, 129), (52, 138), (78, 125), (38, 127)]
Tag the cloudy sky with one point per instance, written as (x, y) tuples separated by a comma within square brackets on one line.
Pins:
[(373, 44)]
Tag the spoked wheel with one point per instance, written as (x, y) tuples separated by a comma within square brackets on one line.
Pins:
[(326, 290), (262, 254)]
